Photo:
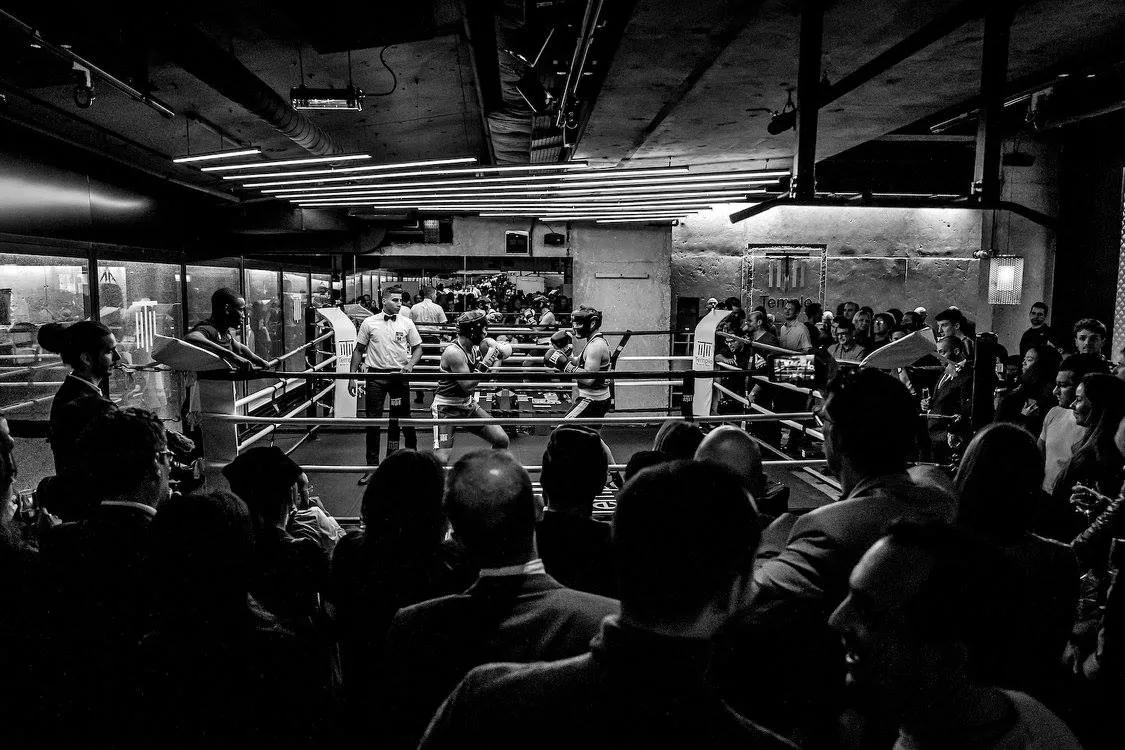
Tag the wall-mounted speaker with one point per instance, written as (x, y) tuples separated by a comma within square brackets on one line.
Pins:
[(554, 238)]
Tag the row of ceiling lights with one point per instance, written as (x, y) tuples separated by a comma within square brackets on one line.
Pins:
[(573, 190)]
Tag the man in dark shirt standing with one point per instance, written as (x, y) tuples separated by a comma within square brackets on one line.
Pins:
[(216, 333), (1040, 334)]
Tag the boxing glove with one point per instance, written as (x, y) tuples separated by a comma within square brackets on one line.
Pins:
[(556, 359), (499, 345), (562, 341), (491, 357)]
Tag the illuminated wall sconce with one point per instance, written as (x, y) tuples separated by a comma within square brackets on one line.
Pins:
[(1005, 280)]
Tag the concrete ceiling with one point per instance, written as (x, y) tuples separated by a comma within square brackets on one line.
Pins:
[(687, 89), (692, 90)]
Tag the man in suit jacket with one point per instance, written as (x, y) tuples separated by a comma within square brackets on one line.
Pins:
[(683, 537), (514, 611), (96, 584), (950, 408), (868, 419)]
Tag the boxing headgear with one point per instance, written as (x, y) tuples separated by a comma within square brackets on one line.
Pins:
[(495, 317), (586, 320), (471, 325)]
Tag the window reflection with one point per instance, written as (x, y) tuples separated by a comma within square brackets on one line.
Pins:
[(139, 303), (264, 321), (35, 289)]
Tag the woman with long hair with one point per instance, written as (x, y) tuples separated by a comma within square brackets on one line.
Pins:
[(1033, 396), (998, 486), (1099, 406)]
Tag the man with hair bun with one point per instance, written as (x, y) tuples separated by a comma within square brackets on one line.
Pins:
[(470, 352), (216, 333)]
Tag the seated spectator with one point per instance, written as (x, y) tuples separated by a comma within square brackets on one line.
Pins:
[(731, 447), (910, 321), (397, 560), (868, 421), (921, 625), (1107, 514), (1060, 431), (1099, 406), (218, 670), (641, 460), (863, 320), (881, 326), (514, 612), (1090, 337), (1028, 403), (289, 574), (96, 585), (998, 483), (948, 410), (574, 547), (681, 537), (678, 440), (846, 346)]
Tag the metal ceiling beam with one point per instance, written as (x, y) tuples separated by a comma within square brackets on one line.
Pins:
[(858, 201), (993, 75), (808, 85)]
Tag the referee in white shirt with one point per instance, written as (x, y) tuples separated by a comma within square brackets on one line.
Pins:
[(387, 342)]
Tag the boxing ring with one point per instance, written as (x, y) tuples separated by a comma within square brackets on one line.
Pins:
[(231, 424)]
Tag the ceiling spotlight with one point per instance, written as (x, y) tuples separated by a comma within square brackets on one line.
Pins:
[(347, 98)]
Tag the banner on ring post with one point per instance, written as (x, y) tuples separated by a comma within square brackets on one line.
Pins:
[(703, 358), (344, 333)]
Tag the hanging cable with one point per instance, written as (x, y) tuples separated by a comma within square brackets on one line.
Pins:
[(394, 78)]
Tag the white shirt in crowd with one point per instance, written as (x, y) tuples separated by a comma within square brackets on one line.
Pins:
[(1059, 436), (548, 318), (427, 312), (405, 310), (794, 336), (388, 342)]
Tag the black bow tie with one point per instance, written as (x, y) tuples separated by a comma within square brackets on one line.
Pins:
[(389, 318)]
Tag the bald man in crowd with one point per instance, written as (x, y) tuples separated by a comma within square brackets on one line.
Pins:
[(731, 447), (514, 611)]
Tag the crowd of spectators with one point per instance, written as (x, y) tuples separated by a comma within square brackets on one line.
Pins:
[(496, 295), (923, 608)]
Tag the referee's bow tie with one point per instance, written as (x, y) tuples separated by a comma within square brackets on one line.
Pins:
[(389, 318)]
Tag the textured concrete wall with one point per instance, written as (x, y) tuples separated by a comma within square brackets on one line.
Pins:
[(625, 274), (882, 257)]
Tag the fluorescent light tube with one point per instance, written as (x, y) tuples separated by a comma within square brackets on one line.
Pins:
[(217, 155), (285, 163), (468, 170)]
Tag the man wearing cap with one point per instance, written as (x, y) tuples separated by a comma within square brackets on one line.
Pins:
[(456, 399), (387, 343)]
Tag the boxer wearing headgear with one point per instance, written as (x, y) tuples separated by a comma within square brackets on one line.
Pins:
[(593, 392), (471, 351)]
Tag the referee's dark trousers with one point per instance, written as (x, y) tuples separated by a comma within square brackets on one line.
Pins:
[(399, 392)]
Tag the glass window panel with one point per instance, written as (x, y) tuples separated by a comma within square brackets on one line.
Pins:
[(141, 301), (263, 306), (294, 300), (35, 289), (202, 282), (321, 290)]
